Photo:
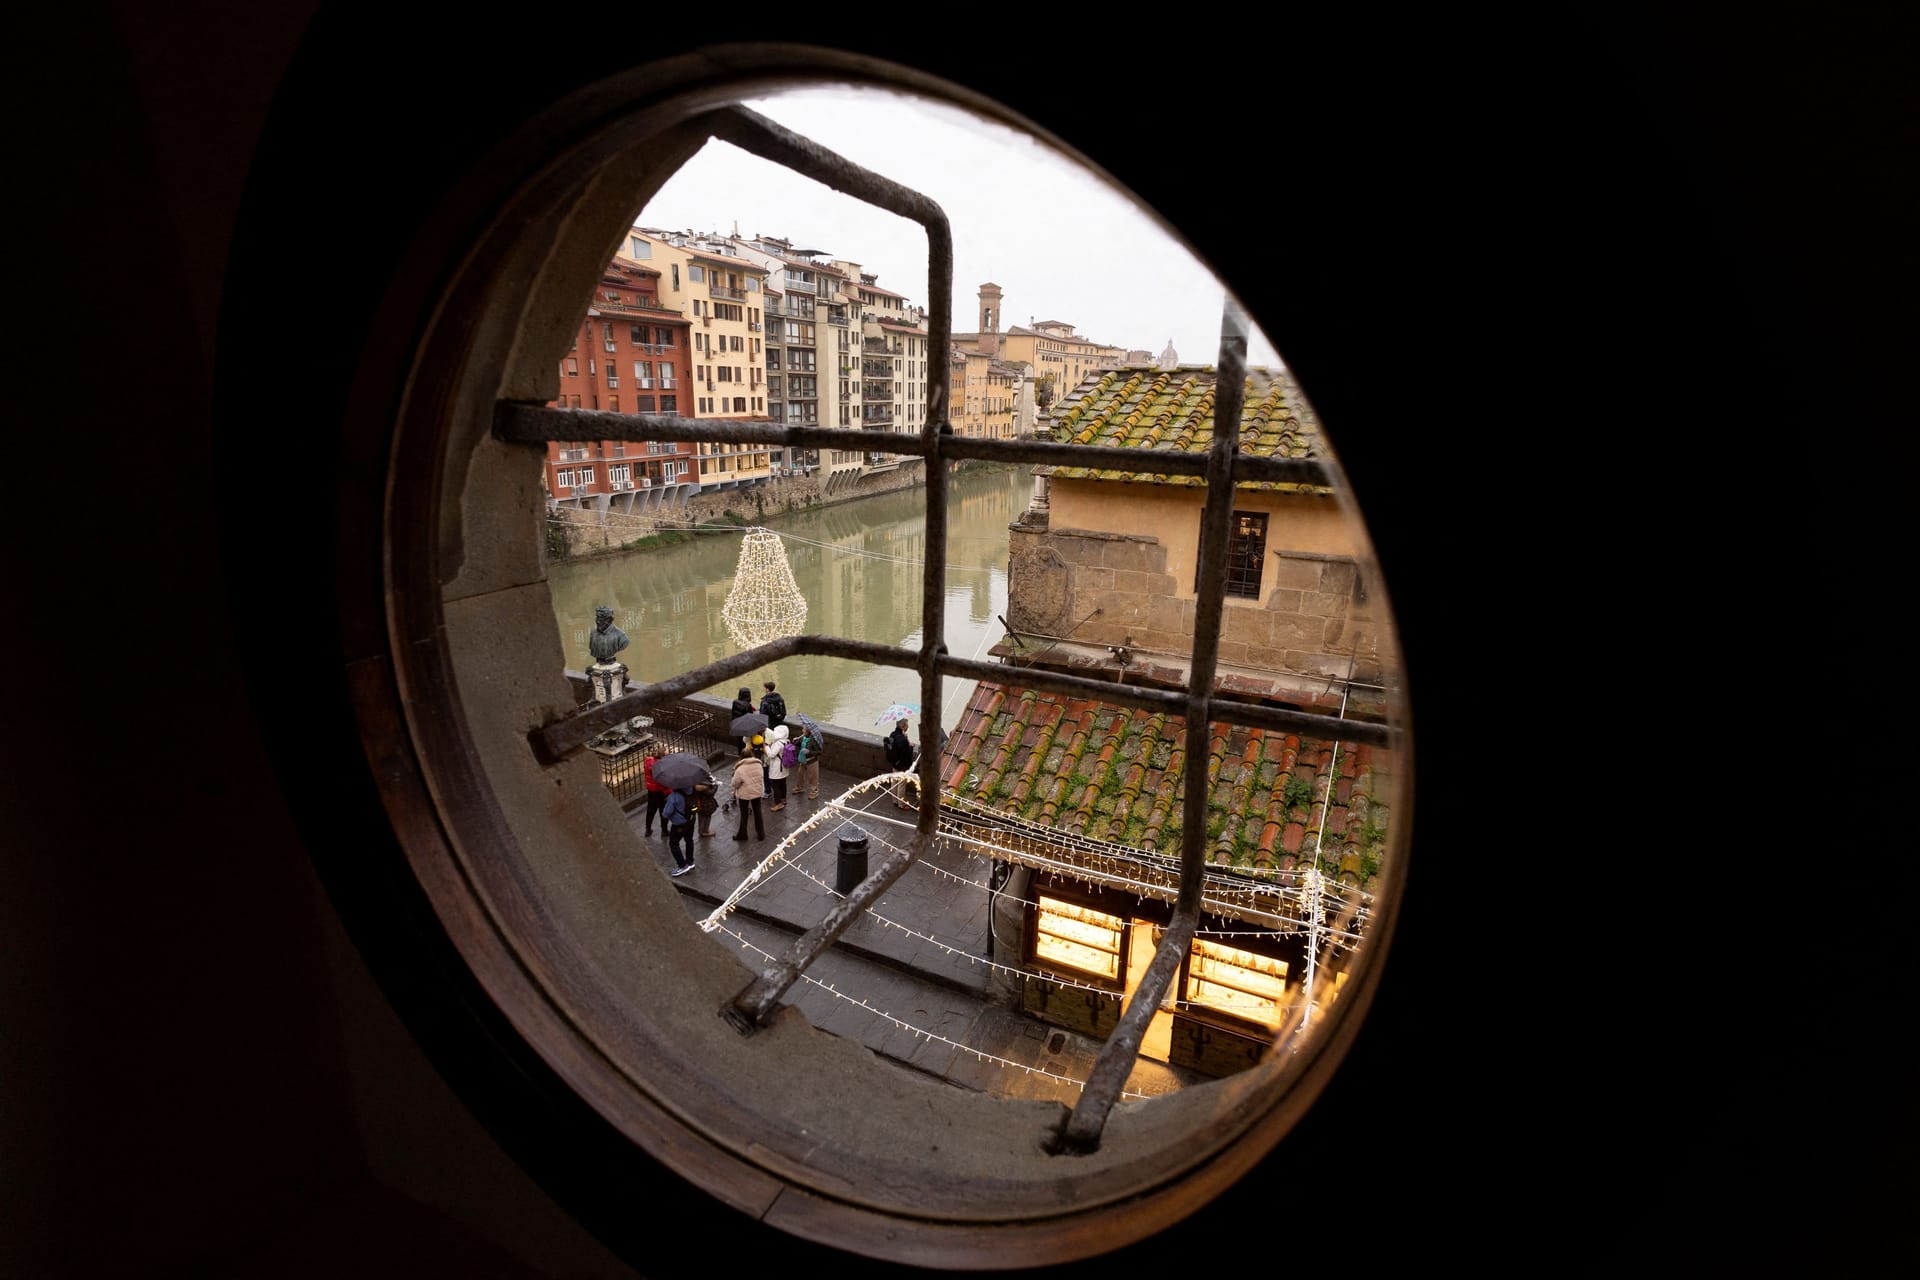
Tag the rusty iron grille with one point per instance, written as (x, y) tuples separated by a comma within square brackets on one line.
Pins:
[(625, 774), (670, 728), (1221, 467)]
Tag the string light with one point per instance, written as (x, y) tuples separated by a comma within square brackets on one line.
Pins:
[(967, 828), (764, 602), (930, 1036)]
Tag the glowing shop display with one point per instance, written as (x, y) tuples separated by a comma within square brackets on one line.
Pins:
[(1079, 938), (1238, 982)]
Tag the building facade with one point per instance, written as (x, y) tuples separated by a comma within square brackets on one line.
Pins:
[(1109, 558), (1081, 801), (1054, 357), (723, 296), (628, 356)]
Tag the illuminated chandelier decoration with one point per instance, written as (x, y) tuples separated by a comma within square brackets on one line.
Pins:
[(764, 602)]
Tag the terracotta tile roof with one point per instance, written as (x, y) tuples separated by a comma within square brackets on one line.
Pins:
[(1110, 773), (1142, 407)]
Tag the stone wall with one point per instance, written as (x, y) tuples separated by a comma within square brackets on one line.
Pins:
[(1315, 610), (573, 532)]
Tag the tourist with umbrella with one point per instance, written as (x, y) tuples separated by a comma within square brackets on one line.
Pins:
[(899, 749), (743, 706), (898, 711), (745, 726), (806, 757), (680, 771), (685, 771)]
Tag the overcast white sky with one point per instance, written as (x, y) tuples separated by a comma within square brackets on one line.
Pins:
[(1061, 244)]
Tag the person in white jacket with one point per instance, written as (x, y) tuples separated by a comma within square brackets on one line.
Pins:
[(777, 767)]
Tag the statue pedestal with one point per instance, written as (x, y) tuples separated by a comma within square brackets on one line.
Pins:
[(609, 680)]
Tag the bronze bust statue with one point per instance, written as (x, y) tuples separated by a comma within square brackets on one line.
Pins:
[(605, 639)]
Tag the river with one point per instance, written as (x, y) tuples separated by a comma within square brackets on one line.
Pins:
[(858, 564)]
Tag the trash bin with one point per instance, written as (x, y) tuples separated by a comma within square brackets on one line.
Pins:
[(852, 868)]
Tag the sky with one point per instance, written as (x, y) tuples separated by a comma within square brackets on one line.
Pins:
[(1060, 242)]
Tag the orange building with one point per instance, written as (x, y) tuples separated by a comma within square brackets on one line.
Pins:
[(630, 355)]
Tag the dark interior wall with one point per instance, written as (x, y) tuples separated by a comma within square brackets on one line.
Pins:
[(1553, 287)]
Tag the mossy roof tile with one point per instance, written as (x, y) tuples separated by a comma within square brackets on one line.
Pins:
[(1137, 407), (1118, 772)]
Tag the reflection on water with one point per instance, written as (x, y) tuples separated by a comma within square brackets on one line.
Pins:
[(857, 563)]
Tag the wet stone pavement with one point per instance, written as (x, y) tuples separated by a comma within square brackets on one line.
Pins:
[(909, 978)]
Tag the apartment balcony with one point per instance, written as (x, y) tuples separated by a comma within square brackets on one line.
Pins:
[(722, 291), (668, 384), (806, 367), (877, 418), (754, 326), (799, 286), (879, 344), (628, 305), (572, 455)]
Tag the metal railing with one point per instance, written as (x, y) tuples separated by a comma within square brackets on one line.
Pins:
[(1200, 704), (675, 728)]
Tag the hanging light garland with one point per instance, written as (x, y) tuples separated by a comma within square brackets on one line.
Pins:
[(764, 602), (931, 1037)]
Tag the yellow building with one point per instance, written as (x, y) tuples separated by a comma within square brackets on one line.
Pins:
[(1055, 356), (1107, 559), (723, 294)]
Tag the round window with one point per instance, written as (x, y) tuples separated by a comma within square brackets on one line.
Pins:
[(1264, 931)]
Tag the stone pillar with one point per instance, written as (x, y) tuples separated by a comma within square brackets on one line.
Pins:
[(609, 680)]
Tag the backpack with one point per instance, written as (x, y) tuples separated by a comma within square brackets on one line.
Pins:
[(789, 753)]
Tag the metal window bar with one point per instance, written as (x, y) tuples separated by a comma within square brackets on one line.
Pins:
[(1221, 467)]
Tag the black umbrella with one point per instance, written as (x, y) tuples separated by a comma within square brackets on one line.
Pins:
[(678, 770), (747, 725)]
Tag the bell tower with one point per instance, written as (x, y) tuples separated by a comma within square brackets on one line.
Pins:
[(990, 318)]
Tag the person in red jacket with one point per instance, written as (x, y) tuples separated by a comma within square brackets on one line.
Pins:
[(656, 794)]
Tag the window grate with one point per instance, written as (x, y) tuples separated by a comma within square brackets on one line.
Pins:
[(1224, 536)]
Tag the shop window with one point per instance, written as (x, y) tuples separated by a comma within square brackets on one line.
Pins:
[(1238, 983), (1079, 938)]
